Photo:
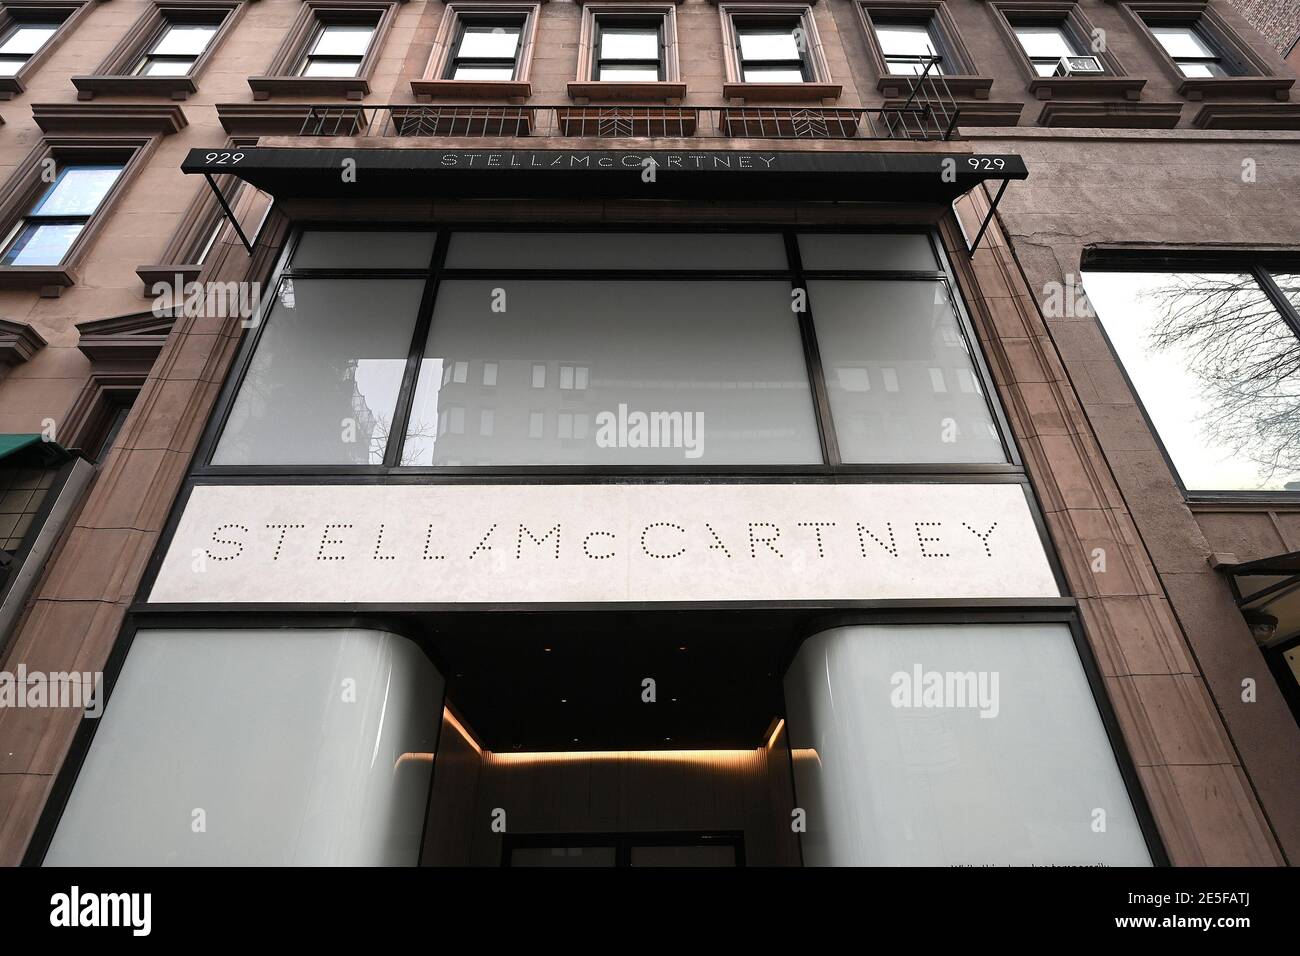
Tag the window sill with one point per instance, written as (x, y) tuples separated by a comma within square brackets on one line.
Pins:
[(18, 342), (967, 84), (152, 275), (781, 92), (1046, 87), (172, 87), (1278, 87), (1248, 116), (352, 87), (658, 91), (1110, 115), (51, 280), (507, 91)]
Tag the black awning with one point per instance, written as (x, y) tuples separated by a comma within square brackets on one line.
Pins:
[(476, 173)]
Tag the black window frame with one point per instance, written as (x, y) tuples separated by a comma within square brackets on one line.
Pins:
[(772, 21), (1010, 469), (606, 20), (464, 21), (30, 216), (1260, 267)]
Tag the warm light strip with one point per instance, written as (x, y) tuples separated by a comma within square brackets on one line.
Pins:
[(413, 758), (678, 756), (776, 732), (450, 718)]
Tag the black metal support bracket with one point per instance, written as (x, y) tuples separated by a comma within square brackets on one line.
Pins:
[(989, 218), (229, 213)]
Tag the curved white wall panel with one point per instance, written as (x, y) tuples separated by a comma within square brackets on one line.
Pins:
[(258, 747), (954, 745)]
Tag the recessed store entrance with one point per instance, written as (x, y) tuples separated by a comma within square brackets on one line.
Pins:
[(613, 739)]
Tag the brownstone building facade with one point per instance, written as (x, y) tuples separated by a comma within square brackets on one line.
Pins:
[(355, 161)]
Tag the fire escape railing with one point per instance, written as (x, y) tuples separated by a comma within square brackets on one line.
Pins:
[(929, 113)]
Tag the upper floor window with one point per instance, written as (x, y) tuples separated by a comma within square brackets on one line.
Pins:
[(177, 48), (337, 49), (1192, 51), (45, 234), (908, 47), (628, 49), (1045, 43), (616, 349), (772, 50), (23, 40), (487, 48), (1212, 356)]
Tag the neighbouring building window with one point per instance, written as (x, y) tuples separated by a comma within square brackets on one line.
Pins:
[(177, 48), (629, 49), (698, 358), (337, 49), (1045, 43), (772, 49), (1194, 53), (45, 234), (22, 40), (1212, 358), (487, 47), (908, 46)]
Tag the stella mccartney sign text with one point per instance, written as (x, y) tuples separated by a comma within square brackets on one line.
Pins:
[(602, 543)]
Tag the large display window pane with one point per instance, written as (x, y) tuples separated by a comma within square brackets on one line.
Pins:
[(902, 383), (612, 372), (954, 745), (323, 383), (616, 250), (1217, 369)]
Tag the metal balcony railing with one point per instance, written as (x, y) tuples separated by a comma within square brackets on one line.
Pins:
[(928, 113)]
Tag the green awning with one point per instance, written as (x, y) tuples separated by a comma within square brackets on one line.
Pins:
[(47, 452), (12, 443)]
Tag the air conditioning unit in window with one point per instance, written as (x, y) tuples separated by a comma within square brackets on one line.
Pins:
[(1078, 66)]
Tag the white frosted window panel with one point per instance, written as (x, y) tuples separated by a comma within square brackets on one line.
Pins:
[(772, 74), (1182, 41), (28, 38), (629, 74), (489, 42), (189, 39), (900, 252), (323, 382), (167, 68), (905, 39), (321, 249), (629, 43), (566, 377), (724, 355), (484, 73), (489, 373), (1045, 41), (543, 250), (539, 376), (1213, 364), (252, 727), (461, 372), (78, 191), (339, 40), (536, 424), (887, 785), (768, 44), (898, 326), (485, 420)]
